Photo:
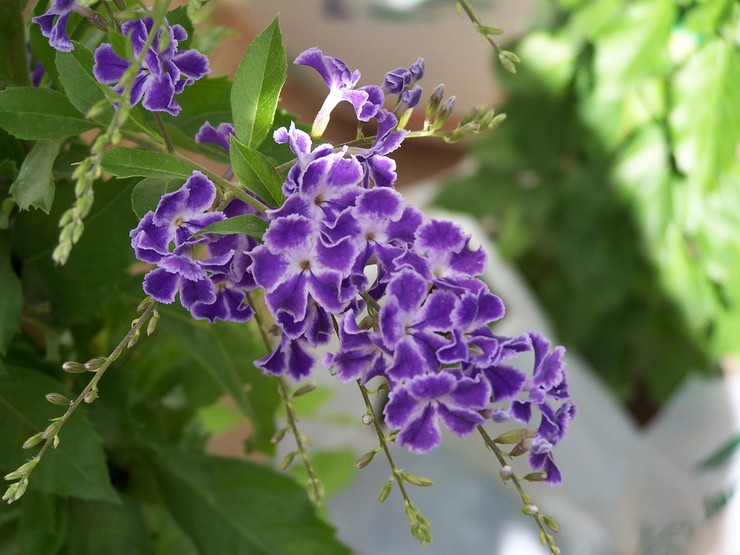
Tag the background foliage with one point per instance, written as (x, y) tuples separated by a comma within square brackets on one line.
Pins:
[(615, 185)]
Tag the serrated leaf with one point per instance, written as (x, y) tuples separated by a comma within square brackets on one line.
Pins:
[(257, 85), (244, 224), (35, 183), (11, 300), (40, 114), (77, 467), (256, 173), (214, 501), (97, 527), (149, 191), (131, 162)]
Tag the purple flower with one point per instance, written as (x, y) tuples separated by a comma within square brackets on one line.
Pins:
[(215, 135), (53, 24), (377, 167), (401, 79), (553, 426), (361, 354), (341, 81), (416, 406), (300, 143), (294, 265), (410, 98), (291, 357), (164, 72), (409, 322)]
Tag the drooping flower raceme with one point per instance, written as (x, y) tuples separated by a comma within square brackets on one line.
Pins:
[(165, 71), (344, 256)]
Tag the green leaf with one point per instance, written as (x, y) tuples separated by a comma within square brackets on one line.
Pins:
[(257, 84), (99, 265), (77, 466), (246, 223), (236, 507), (721, 455), (130, 162), (226, 351), (705, 119), (256, 173), (40, 114), (11, 300), (149, 191), (13, 61), (35, 183), (99, 528)]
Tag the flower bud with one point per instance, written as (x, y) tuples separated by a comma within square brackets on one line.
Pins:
[(434, 101), (416, 480), (385, 491), (73, 367), (506, 472), (94, 364), (444, 112), (305, 388), (33, 441), (287, 460), (365, 459), (513, 436), (57, 399), (551, 523), (279, 435), (530, 510)]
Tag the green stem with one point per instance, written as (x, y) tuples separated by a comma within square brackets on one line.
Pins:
[(554, 550), (315, 488), (164, 133), (475, 20)]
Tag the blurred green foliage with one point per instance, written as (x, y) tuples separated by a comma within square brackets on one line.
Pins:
[(615, 185)]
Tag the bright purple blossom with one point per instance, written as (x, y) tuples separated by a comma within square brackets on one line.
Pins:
[(215, 135), (415, 407), (341, 81), (301, 145), (53, 24), (164, 72), (377, 167)]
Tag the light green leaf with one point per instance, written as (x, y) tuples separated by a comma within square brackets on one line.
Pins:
[(40, 114), (77, 467), (257, 84), (149, 191), (99, 528), (244, 224), (256, 173), (11, 300), (35, 183), (240, 508), (130, 162), (705, 120)]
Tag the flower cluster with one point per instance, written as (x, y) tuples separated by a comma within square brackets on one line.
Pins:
[(345, 256), (165, 69)]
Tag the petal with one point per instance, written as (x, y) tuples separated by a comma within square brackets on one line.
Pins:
[(459, 421), (407, 362), (506, 382), (290, 296), (201, 291), (431, 387), (159, 94), (400, 408), (268, 269), (109, 67), (422, 434), (471, 394), (161, 285), (201, 192), (191, 63)]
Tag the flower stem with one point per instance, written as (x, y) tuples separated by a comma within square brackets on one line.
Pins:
[(164, 133), (87, 395), (315, 486), (545, 535), (419, 524)]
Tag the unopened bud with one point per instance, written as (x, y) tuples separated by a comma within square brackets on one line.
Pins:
[(151, 325), (73, 367), (33, 441), (57, 399), (513, 436), (279, 435), (367, 419), (434, 101), (91, 395), (416, 480), (315, 490), (305, 388), (530, 510), (287, 460), (551, 523), (444, 112), (94, 364), (506, 472), (538, 476), (365, 460), (385, 491)]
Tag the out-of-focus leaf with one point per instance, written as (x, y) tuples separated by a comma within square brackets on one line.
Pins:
[(257, 85), (11, 300), (35, 183), (705, 120), (99, 528), (77, 466), (721, 455), (245, 224), (43, 523), (149, 191), (232, 506)]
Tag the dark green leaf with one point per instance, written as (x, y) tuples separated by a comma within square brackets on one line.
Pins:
[(149, 191), (244, 224), (130, 162), (225, 352), (77, 467), (214, 500), (256, 173), (11, 300), (40, 114), (43, 523), (13, 64), (35, 183), (179, 16), (99, 528), (99, 265), (257, 84)]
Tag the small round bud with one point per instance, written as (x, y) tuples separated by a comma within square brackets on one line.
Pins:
[(530, 510), (367, 419), (506, 472)]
